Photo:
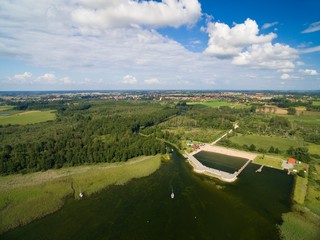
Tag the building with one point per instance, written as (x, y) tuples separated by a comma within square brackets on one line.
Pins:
[(291, 160)]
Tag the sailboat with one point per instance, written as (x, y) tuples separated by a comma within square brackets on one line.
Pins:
[(172, 194)]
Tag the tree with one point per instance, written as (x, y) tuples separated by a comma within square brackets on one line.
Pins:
[(252, 148), (271, 149), (292, 111)]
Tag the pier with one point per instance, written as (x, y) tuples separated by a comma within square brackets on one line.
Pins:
[(260, 169)]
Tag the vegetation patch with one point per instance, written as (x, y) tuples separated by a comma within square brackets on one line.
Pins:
[(24, 198), (300, 224), (269, 161), (266, 142), (28, 117), (300, 189)]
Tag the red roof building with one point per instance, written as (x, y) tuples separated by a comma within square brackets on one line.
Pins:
[(291, 160)]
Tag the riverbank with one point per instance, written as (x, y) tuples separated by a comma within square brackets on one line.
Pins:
[(24, 198)]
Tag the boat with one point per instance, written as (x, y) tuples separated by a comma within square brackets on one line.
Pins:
[(172, 195), (80, 194)]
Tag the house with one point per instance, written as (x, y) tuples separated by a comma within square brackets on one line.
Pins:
[(291, 160)]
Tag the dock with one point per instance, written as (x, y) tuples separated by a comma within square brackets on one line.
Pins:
[(260, 169)]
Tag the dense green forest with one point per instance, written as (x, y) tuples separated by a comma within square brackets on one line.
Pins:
[(92, 131), (84, 132)]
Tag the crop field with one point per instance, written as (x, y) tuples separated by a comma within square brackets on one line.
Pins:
[(27, 117), (266, 142), (216, 104), (24, 198)]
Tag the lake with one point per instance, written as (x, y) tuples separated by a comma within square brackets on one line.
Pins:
[(203, 208)]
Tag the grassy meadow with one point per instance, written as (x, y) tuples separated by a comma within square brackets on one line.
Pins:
[(24, 198), (269, 161), (27, 117), (266, 142)]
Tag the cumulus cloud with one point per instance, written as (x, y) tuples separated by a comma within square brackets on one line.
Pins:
[(47, 77), (21, 77), (226, 42), (152, 81), (245, 47), (269, 25), (124, 13), (285, 76), (310, 72), (313, 27), (268, 55), (129, 79)]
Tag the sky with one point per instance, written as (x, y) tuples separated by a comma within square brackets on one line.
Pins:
[(159, 45)]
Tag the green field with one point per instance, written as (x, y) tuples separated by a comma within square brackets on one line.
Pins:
[(314, 148), (27, 117), (5, 108), (266, 142), (316, 103), (24, 198), (215, 104), (268, 161), (307, 118), (300, 189)]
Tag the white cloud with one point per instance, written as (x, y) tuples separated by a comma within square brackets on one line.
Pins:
[(226, 42), (313, 27), (243, 44), (310, 50), (47, 78), (129, 79), (124, 13), (310, 72), (286, 70), (285, 76), (269, 25), (21, 77), (152, 81), (66, 80), (268, 55)]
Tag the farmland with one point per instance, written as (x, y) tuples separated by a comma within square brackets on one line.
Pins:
[(26, 117)]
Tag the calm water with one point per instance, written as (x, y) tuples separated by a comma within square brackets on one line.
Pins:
[(220, 162), (203, 208)]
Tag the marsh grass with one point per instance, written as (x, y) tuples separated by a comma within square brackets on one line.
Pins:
[(24, 198), (300, 224)]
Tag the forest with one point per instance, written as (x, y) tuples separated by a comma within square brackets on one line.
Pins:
[(84, 132), (92, 131)]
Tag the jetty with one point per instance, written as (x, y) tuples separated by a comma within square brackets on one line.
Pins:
[(260, 169)]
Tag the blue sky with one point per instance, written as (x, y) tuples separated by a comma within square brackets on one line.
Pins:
[(169, 44)]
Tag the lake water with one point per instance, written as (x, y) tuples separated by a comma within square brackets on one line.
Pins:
[(203, 208), (220, 162)]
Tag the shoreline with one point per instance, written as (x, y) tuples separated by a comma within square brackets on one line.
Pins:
[(211, 172), (35, 195)]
